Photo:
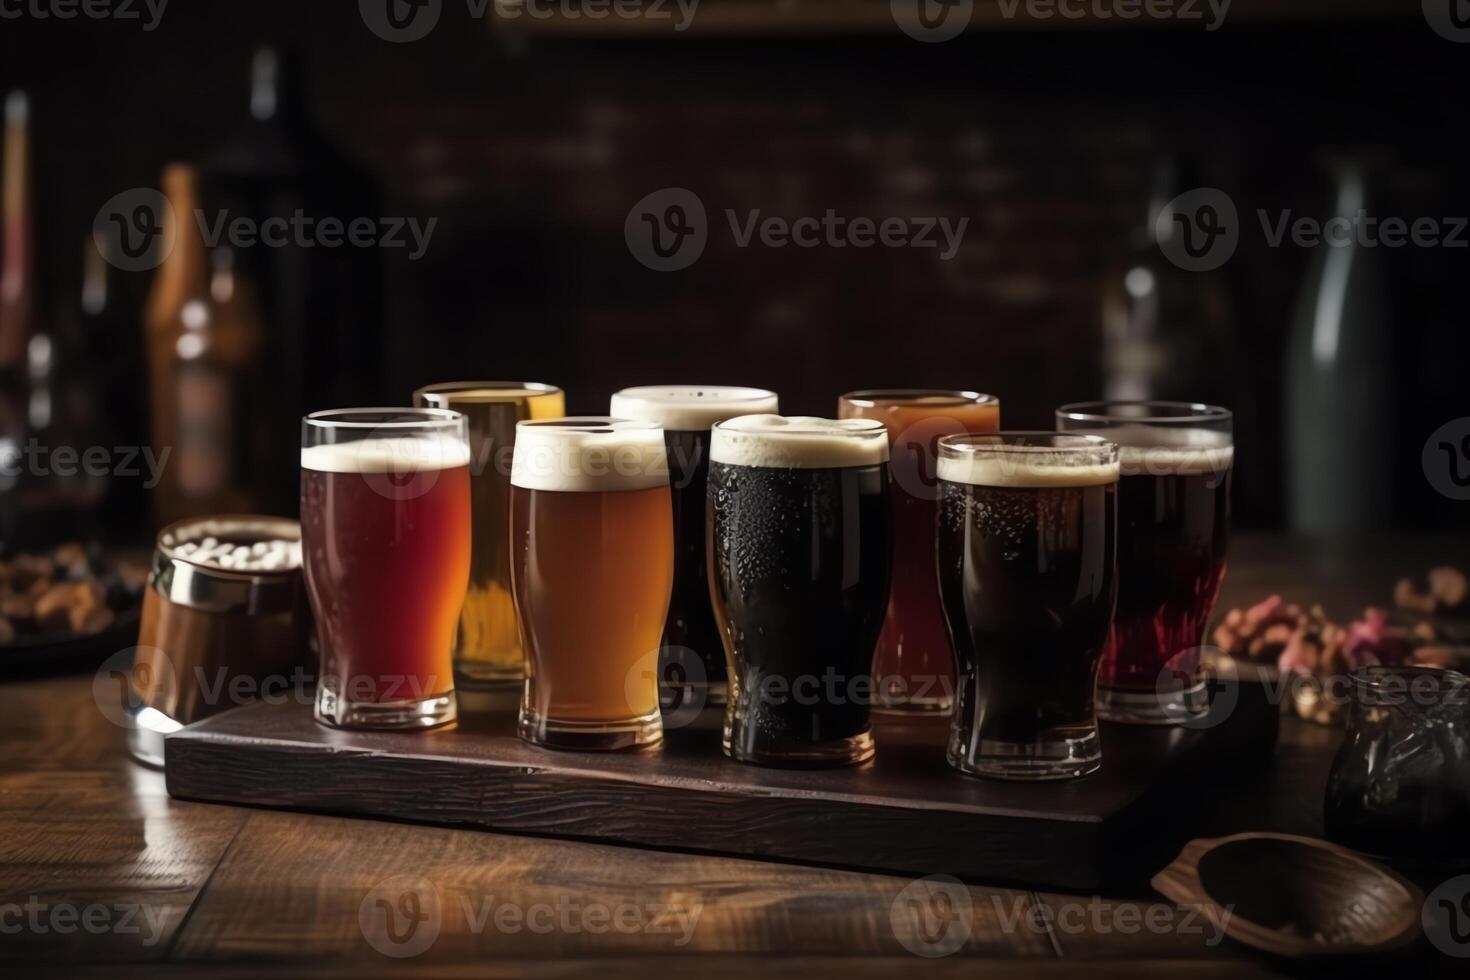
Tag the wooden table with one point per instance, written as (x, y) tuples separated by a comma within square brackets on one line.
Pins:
[(114, 877)]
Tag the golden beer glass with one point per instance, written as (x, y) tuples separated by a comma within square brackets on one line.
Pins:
[(488, 654)]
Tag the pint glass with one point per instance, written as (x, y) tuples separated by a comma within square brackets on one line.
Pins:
[(592, 564), (912, 666), (1173, 528), (692, 659), (487, 646), (799, 555), (385, 534), (1026, 544)]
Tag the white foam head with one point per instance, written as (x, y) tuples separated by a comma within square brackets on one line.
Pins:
[(1170, 451), (691, 408), (799, 442), (418, 453), (994, 463), (1158, 438), (584, 454)]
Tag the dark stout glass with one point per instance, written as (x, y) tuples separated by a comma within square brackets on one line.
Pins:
[(913, 667), (799, 552), (1026, 557), (1174, 526), (691, 657)]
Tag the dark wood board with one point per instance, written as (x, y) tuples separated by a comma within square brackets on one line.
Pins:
[(905, 812)]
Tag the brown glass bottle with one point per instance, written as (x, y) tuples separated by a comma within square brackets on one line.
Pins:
[(17, 300)]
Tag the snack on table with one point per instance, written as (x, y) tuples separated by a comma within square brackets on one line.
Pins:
[(1447, 592), (67, 592), (1308, 647)]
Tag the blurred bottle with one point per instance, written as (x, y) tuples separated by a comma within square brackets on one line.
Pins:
[(111, 344), (220, 389), (321, 307), (1339, 377), (68, 411), (202, 372), (17, 302), (1166, 331)]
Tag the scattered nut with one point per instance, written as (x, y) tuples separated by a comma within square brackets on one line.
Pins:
[(1405, 596), (1448, 585), (52, 607)]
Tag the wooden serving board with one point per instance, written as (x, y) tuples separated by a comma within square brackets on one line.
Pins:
[(905, 812)]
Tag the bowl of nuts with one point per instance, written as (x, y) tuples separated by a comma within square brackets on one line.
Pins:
[(66, 601)]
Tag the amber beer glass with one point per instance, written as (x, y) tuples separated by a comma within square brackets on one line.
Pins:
[(385, 534), (592, 566), (912, 665), (487, 646), (692, 659), (1027, 535), (799, 553), (1173, 528)]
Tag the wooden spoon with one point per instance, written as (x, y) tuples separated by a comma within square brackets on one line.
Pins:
[(1294, 896)]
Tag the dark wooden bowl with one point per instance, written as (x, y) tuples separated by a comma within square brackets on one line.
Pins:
[(1294, 896)]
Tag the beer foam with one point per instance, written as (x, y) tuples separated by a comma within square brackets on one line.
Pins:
[(681, 408), (1021, 469), (402, 454), (799, 442), (1169, 451), (469, 393), (580, 455)]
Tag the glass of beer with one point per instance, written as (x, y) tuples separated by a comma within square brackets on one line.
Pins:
[(1027, 536), (385, 535), (1174, 525), (692, 659), (487, 647), (592, 565), (799, 552), (913, 666)]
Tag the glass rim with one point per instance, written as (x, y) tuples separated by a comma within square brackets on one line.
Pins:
[(1090, 448), (588, 424), (535, 388), (635, 391), (868, 430), (872, 397), (422, 418), (1177, 413)]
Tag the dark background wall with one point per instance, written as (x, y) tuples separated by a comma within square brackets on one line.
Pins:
[(530, 152)]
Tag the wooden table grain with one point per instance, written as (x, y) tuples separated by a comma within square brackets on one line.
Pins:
[(101, 872)]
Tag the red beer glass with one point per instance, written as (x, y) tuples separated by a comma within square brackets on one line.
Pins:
[(1173, 529), (913, 668), (385, 530)]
